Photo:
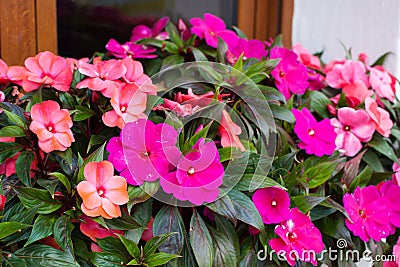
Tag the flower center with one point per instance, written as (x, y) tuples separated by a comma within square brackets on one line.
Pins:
[(100, 191), (123, 109), (145, 154), (311, 132), (50, 128), (273, 203), (212, 33), (291, 236), (281, 74), (347, 128), (244, 58), (190, 171), (362, 214)]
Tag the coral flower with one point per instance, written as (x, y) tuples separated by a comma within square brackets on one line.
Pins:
[(316, 137), (230, 132), (247, 49), (368, 212), (103, 76), (352, 128), (3, 73), (297, 235), (356, 93), (290, 75), (52, 126), (130, 49), (382, 82), (211, 28), (102, 192), (273, 204), (135, 75), (94, 230), (142, 31), (46, 69), (198, 176), (148, 149), (129, 105), (305, 57), (379, 117)]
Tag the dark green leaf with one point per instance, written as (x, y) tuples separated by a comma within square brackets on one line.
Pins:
[(138, 194), (171, 60), (363, 178), (63, 179), (224, 207), (9, 150), (159, 258), (95, 140), (306, 203), (96, 156), (9, 228), (125, 222), (319, 103), (381, 60), (43, 227), (173, 34), (23, 167), (111, 244), (282, 113), (15, 119), (152, 245), (32, 197), (12, 131), (373, 161), (198, 55), (201, 242), (45, 256), (82, 113), (382, 146), (131, 247), (104, 259), (251, 182), (319, 174), (225, 253), (49, 184), (62, 234)]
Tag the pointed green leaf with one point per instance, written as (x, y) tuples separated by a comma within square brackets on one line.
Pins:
[(23, 167), (43, 227), (201, 242), (12, 131), (9, 228)]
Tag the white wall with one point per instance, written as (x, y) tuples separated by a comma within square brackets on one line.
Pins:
[(370, 26)]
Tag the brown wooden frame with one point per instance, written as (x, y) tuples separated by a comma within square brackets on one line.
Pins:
[(263, 19), (26, 28)]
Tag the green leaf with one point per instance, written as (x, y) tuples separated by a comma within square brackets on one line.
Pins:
[(63, 179), (245, 209), (306, 203), (131, 247), (160, 258), (32, 197), (225, 227), (95, 140), (45, 256), (351, 168), (282, 113), (169, 220), (43, 227), (251, 182), (49, 184), (198, 55), (239, 32), (111, 244), (201, 242), (138, 194), (224, 207), (96, 156), (12, 131), (373, 161), (125, 222), (23, 167), (173, 34), (9, 150), (172, 60), (9, 228), (225, 253), (319, 174), (82, 113), (362, 179), (105, 259), (62, 233), (382, 146), (319, 103), (381, 59), (152, 245), (221, 51), (17, 120)]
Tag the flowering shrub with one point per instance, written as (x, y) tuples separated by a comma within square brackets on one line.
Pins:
[(191, 145)]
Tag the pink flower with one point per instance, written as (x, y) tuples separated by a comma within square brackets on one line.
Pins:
[(3, 200), (3, 73), (391, 191), (368, 212), (273, 204), (93, 230), (246, 49), (130, 49), (315, 137), (135, 75), (117, 158), (103, 76), (44, 69), (198, 176), (290, 75), (352, 128), (396, 253), (296, 235), (305, 57), (52, 126), (211, 28), (341, 74), (230, 132), (382, 82), (142, 31), (101, 191), (356, 93), (148, 149), (183, 30), (379, 117), (129, 105)]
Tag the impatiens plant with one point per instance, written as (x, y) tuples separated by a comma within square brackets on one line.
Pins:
[(192, 145)]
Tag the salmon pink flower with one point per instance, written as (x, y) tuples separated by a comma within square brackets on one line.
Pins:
[(93, 230), (341, 74), (148, 149), (273, 204), (46, 69), (52, 125), (247, 49), (211, 28), (142, 31), (382, 82), (103, 76), (379, 117), (135, 75), (368, 212), (117, 158), (198, 176), (101, 191), (129, 105), (356, 93), (290, 75), (315, 137), (230, 132), (305, 57), (3, 73), (130, 49), (352, 128), (295, 236)]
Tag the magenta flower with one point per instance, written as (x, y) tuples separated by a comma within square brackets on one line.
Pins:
[(142, 31), (198, 176), (352, 128), (368, 212), (246, 48), (117, 158), (211, 28), (391, 192), (130, 49), (149, 149), (295, 236), (290, 75), (396, 174), (273, 204), (315, 137)]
